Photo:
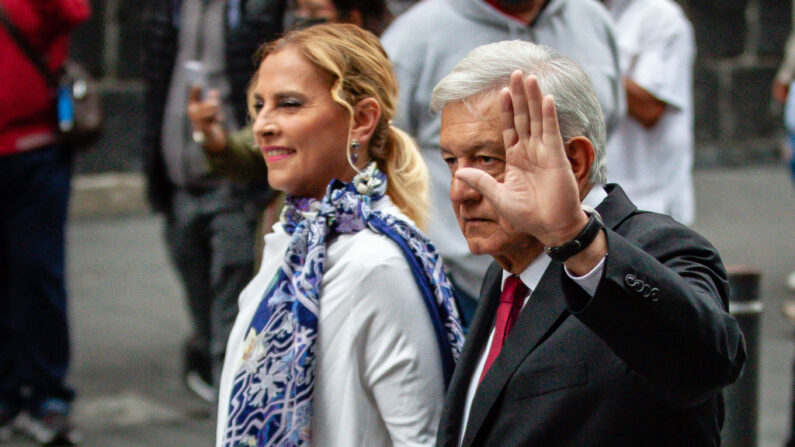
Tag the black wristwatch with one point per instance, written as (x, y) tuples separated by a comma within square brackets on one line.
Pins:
[(563, 252)]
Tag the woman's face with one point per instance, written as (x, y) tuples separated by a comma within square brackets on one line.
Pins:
[(300, 130)]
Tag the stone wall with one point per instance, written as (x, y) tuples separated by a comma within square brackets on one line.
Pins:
[(739, 43), (109, 44), (739, 48)]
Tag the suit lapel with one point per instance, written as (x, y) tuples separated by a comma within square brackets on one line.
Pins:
[(545, 310), (450, 425)]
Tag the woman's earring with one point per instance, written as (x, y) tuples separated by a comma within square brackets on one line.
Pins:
[(355, 150)]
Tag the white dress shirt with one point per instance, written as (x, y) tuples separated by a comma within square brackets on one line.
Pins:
[(530, 276)]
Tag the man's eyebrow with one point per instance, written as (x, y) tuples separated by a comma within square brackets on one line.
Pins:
[(478, 146)]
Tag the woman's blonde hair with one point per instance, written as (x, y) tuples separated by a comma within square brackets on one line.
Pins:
[(360, 68)]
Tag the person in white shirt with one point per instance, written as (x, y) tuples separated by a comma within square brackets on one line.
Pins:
[(348, 334), (650, 152)]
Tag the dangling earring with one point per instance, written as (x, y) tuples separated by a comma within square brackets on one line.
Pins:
[(355, 151)]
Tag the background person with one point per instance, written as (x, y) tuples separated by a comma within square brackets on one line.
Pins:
[(428, 40), (210, 221), (35, 175), (348, 334), (650, 152), (570, 345)]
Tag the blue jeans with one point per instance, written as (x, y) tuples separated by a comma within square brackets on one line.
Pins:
[(34, 337)]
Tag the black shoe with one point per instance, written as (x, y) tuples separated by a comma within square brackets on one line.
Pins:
[(50, 425), (197, 374)]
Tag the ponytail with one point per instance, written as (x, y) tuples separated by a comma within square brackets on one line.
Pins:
[(407, 175)]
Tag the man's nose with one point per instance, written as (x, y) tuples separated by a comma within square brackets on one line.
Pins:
[(460, 192)]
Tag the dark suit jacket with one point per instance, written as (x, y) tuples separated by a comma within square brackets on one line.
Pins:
[(640, 364)]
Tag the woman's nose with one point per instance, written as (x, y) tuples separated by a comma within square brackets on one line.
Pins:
[(264, 126)]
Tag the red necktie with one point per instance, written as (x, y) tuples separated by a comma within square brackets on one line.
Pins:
[(511, 300)]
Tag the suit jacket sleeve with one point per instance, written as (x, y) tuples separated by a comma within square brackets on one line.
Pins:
[(661, 307)]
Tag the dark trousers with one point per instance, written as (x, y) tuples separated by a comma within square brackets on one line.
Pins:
[(211, 236), (34, 336)]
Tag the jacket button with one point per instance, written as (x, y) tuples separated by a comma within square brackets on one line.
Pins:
[(630, 280), (655, 294)]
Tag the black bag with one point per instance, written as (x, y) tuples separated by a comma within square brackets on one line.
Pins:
[(78, 102)]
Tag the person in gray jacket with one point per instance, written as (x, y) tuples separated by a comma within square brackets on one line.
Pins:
[(428, 40)]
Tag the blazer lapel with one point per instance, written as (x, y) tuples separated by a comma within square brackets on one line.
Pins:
[(479, 330), (544, 312)]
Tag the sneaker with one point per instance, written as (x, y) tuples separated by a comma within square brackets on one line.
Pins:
[(197, 375), (51, 425)]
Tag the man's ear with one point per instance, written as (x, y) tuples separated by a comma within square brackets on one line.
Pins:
[(580, 152), (366, 114)]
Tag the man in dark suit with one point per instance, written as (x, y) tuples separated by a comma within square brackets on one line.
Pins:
[(611, 328)]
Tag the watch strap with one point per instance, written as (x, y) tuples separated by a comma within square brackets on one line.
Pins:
[(563, 252)]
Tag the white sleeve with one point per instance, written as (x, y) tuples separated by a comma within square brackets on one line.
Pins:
[(399, 354), (664, 61), (589, 281)]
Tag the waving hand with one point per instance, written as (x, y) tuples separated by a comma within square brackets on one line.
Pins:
[(539, 194)]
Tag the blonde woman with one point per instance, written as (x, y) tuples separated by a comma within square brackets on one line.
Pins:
[(348, 334)]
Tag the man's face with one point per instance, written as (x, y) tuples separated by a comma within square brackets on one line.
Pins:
[(471, 137)]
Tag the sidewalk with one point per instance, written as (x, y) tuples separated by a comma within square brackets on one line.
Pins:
[(748, 213), (128, 323), (128, 318)]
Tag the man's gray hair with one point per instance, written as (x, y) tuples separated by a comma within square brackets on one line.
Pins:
[(487, 69)]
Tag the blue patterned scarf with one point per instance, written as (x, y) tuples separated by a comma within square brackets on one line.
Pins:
[(271, 398)]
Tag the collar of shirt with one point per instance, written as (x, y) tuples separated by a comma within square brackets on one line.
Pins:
[(595, 196), (532, 274)]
